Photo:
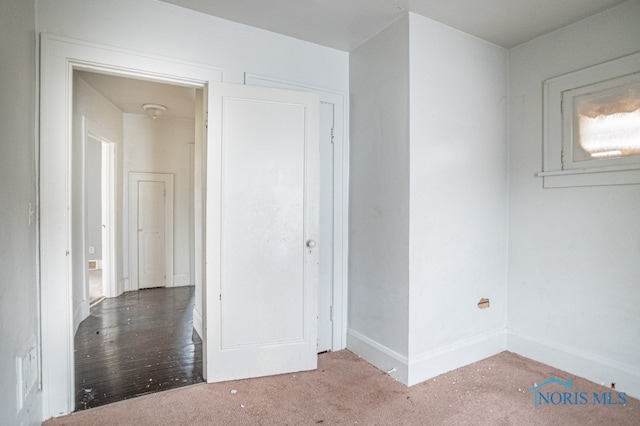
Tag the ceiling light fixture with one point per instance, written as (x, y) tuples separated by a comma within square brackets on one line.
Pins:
[(154, 110)]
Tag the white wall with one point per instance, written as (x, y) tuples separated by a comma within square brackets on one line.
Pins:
[(159, 28), (161, 146), (428, 199), (18, 252), (107, 122), (574, 253), (458, 198), (379, 197)]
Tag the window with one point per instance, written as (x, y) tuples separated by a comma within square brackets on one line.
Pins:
[(592, 126)]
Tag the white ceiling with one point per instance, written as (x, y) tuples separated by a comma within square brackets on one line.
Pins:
[(346, 24), (129, 94)]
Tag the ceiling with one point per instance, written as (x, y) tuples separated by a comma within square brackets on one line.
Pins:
[(129, 94), (346, 24)]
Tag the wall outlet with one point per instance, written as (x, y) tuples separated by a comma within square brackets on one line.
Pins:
[(92, 250)]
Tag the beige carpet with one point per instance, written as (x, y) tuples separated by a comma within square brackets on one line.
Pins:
[(347, 390)]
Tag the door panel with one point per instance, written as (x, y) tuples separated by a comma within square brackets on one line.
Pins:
[(265, 318), (151, 234)]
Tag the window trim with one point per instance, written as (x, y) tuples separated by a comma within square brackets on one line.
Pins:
[(554, 174)]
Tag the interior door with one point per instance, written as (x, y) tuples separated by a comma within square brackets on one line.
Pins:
[(152, 271), (262, 258)]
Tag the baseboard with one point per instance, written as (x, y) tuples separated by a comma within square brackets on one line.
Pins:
[(80, 312), (574, 361), (380, 356), (197, 322), (417, 369), (181, 280), (447, 358)]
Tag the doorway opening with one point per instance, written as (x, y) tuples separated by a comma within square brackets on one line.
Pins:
[(99, 219), (134, 331), (60, 245)]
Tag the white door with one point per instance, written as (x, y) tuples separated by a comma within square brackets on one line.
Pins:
[(325, 283), (262, 261), (151, 234)]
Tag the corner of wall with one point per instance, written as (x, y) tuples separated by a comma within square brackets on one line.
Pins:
[(378, 355), (439, 361), (197, 321), (575, 361)]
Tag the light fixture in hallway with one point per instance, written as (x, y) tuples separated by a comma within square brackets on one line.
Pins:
[(154, 110)]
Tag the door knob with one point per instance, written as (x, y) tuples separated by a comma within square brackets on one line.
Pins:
[(311, 244)]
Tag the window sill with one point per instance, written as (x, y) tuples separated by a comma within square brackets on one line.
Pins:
[(589, 177)]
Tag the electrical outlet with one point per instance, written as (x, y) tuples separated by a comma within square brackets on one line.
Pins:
[(92, 250)]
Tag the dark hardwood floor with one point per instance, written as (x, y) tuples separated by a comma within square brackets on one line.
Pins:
[(137, 343)]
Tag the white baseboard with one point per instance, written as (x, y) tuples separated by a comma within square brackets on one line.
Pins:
[(574, 361), (374, 353), (180, 280), (417, 369), (80, 312), (197, 322), (464, 352)]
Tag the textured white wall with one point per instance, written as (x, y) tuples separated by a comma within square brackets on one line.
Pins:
[(161, 146), (18, 252), (428, 198), (458, 190), (379, 190), (574, 253)]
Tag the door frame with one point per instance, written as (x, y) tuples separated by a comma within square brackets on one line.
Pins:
[(109, 190), (58, 59), (93, 130), (340, 196), (134, 179)]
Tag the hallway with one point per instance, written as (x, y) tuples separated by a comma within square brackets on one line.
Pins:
[(135, 344)]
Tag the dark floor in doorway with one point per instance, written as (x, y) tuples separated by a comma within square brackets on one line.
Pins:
[(138, 343)]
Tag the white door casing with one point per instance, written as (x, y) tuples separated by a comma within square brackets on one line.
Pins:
[(109, 259), (325, 241), (59, 57), (151, 249), (262, 262)]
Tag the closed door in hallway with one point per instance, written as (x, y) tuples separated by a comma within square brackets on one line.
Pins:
[(151, 240)]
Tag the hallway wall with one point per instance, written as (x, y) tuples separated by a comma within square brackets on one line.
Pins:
[(160, 146), (90, 108), (19, 306)]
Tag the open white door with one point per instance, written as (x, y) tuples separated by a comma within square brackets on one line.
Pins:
[(262, 260)]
